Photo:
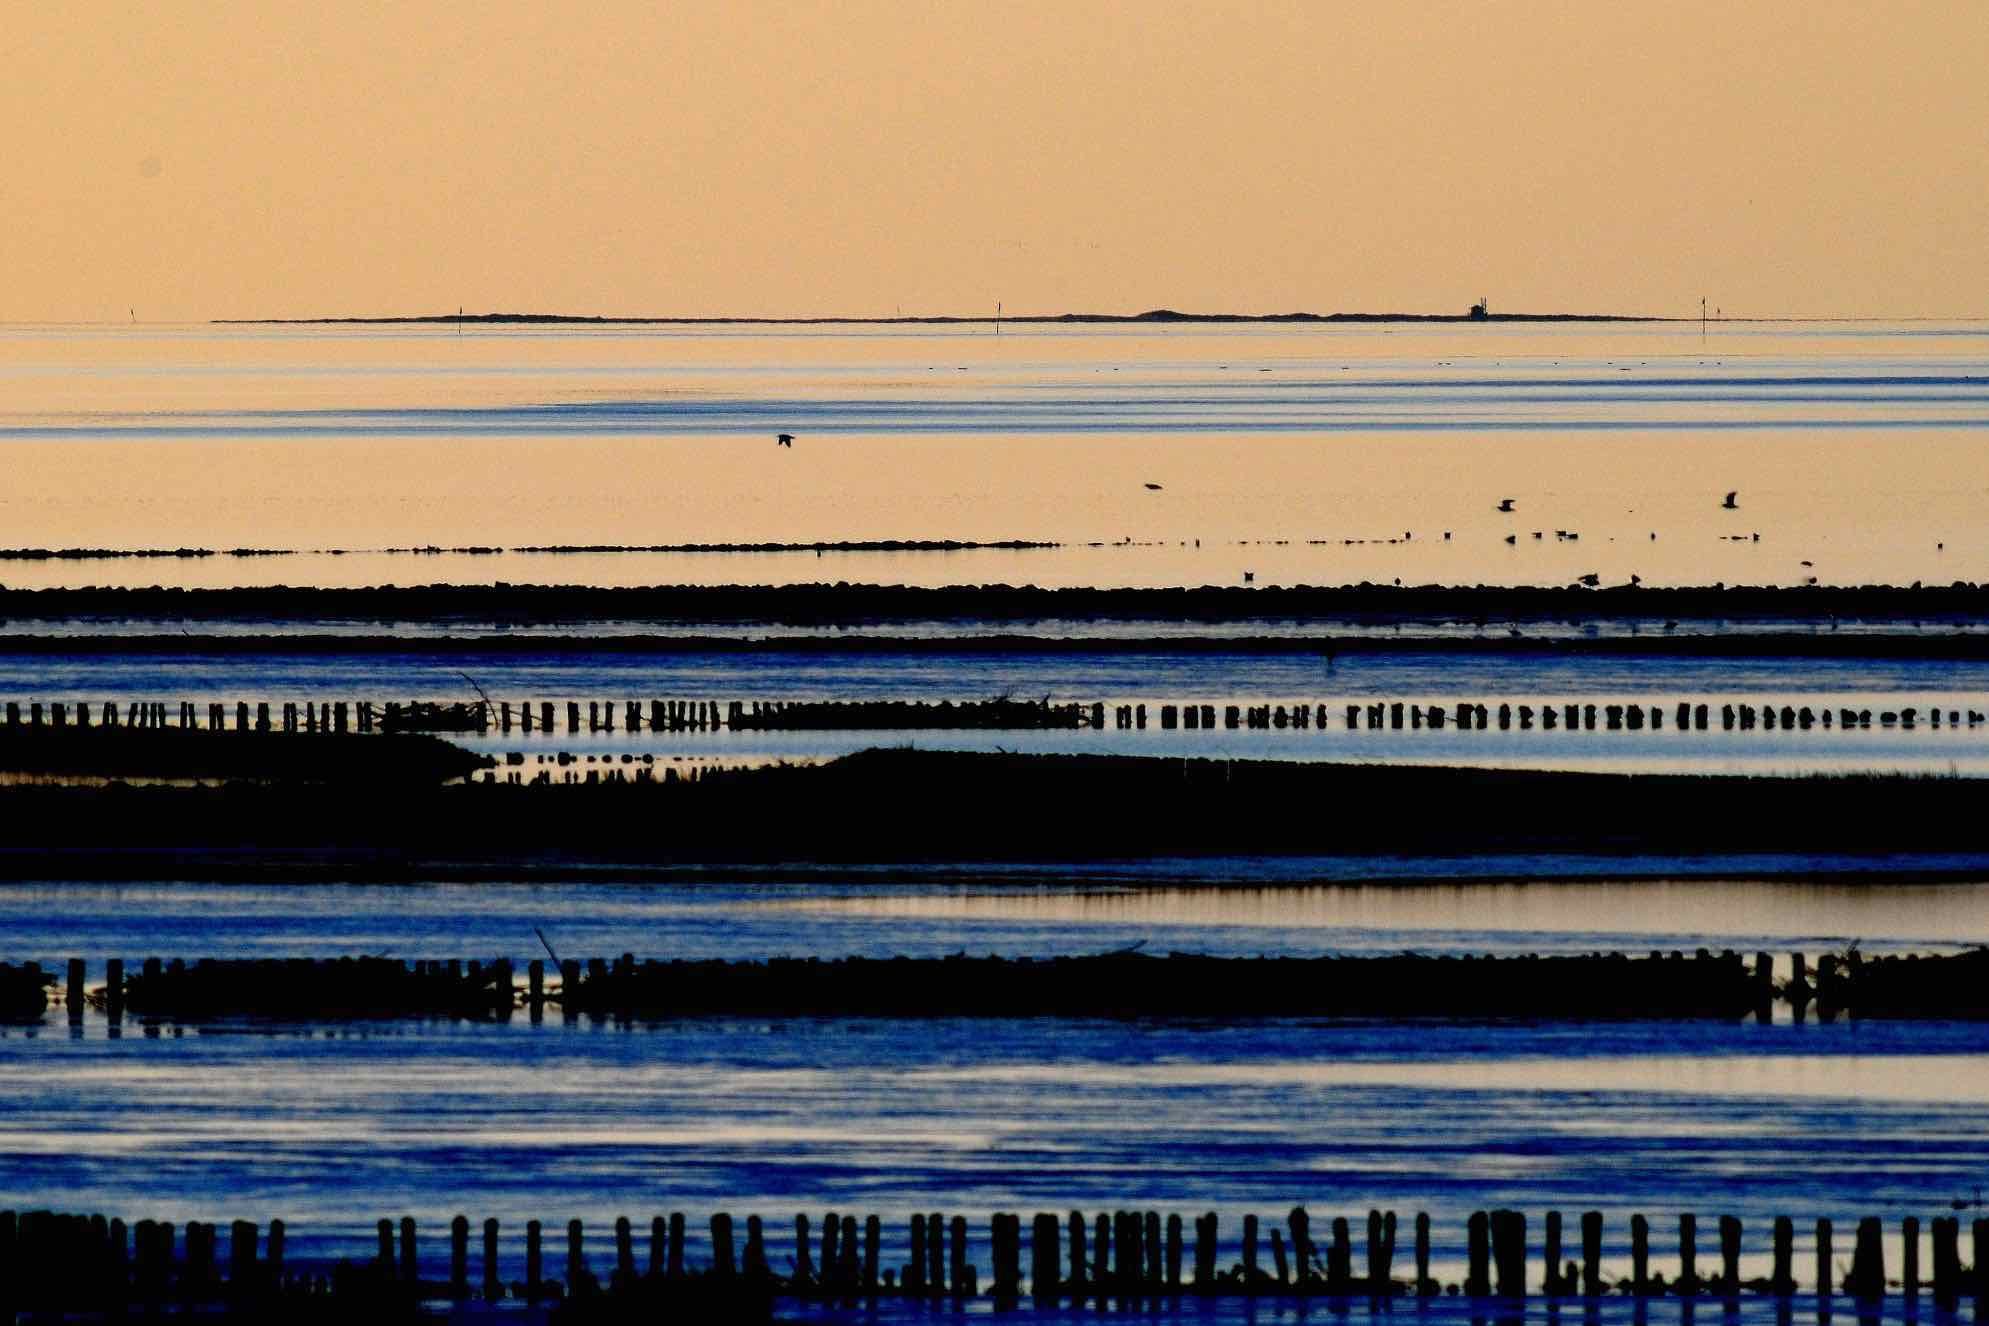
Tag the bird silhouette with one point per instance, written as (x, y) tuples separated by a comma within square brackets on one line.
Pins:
[(784, 439), (1732, 503), (1153, 487), (1505, 504)]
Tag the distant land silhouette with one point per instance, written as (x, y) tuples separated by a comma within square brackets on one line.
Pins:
[(1159, 315)]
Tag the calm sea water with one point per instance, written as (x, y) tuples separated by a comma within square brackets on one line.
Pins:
[(595, 1119), (1300, 454)]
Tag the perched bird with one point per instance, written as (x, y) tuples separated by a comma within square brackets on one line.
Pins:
[(1505, 504), (784, 439), (1733, 501), (1591, 579)]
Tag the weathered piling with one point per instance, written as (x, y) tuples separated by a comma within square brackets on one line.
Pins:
[(1730, 1234), (493, 1279), (914, 1273), (1591, 1253), (1823, 1261), (1477, 1279), (535, 1278), (1866, 1278), (1640, 1255), (1909, 1260), (1509, 1252), (459, 1258)]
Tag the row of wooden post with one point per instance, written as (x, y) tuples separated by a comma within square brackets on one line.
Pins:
[(705, 715), (1123, 1253), (1799, 989)]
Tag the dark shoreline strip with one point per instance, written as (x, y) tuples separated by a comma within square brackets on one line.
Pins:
[(483, 550), (1960, 603), (1161, 316), (1953, 646), (920, 806)]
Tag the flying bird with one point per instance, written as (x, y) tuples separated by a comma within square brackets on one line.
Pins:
[(1505, 504), (784, 439), (1153, 487), (1732, 503)]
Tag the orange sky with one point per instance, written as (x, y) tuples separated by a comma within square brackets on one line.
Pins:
[(220, 160)]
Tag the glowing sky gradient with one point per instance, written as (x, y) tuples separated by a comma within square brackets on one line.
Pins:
[(222, 160)]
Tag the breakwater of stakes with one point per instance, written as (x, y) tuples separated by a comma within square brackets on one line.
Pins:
[(997, 713), (52, 1263), (1125, 984)]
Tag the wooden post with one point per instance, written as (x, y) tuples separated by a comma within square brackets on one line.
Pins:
[(1730, 1256), (804, 1268), (75, 994), (1509, 1252), (1640, 1256), (459, 1258), (1867, 1278), (675, 1268), (722, 1264), (274, 1251), (1947, 1260), (624, 1251), (493, 1282), (1823, 1258), (962, 1273), (1551, 1285), (1688, 1254), (1782, 1280), (873, 1239), (578, 1281), (1174, 1250), (1425, 1286), (535, 1278), (935, 1252), (1591, 1254), (1205, 1250), (915, 1268), (1477, 1280), (1909, 1261), (1126, 1249), (241, 1258), (1981, 1236)]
